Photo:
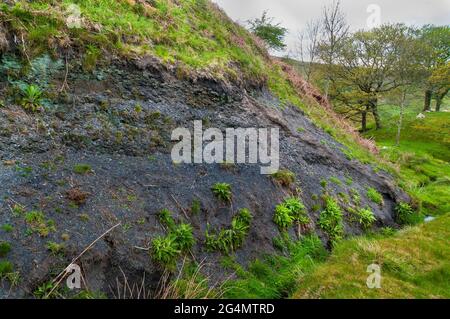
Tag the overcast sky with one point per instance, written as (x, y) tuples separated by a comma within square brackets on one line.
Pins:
[(294, 14)]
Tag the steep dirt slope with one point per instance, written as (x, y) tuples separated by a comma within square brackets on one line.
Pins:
[(99, 155), (133, 176)]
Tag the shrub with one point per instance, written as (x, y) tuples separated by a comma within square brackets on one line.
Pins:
[(165, 250), (284, 177), (374, 196), (31, 98), (330, 220), (5, 248), (405, 215), (222, 191), (184, 237)]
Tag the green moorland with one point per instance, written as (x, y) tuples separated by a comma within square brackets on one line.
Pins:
[(415, 261), (423, 155)]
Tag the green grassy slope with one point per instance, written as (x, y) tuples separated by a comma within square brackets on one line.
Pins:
[(415, 262), (423, 156)]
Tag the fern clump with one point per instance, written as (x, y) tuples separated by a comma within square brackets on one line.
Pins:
[(232, 238), (283, 217), (179, 239), (290, 211), (31, 98), (165, 218), (184, 237), (222, 191), (331, 220), (365, 217), (405, 215), (165, 250)]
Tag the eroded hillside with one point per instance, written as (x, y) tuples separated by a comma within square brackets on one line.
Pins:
[(96, 153)]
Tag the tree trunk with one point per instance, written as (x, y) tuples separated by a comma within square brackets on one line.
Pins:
[(427, 102), (364, 121), (400, 120), (374, 109), (439, 98), (438, 103)]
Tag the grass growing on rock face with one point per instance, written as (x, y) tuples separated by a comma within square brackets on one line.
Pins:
[(82, 169), (283, 217), (184, 236), (55, 248), (415, 263), (196, 207), (179, 239), (5, 248), (38, 223), (7, 228), (335, 180), (165, 218), (6, 268), (284, 177), (276, 276), (374, 196)]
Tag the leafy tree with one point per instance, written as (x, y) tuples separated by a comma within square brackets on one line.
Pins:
[(435, 59), (272, 33), (439, 80), (367, 65)]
